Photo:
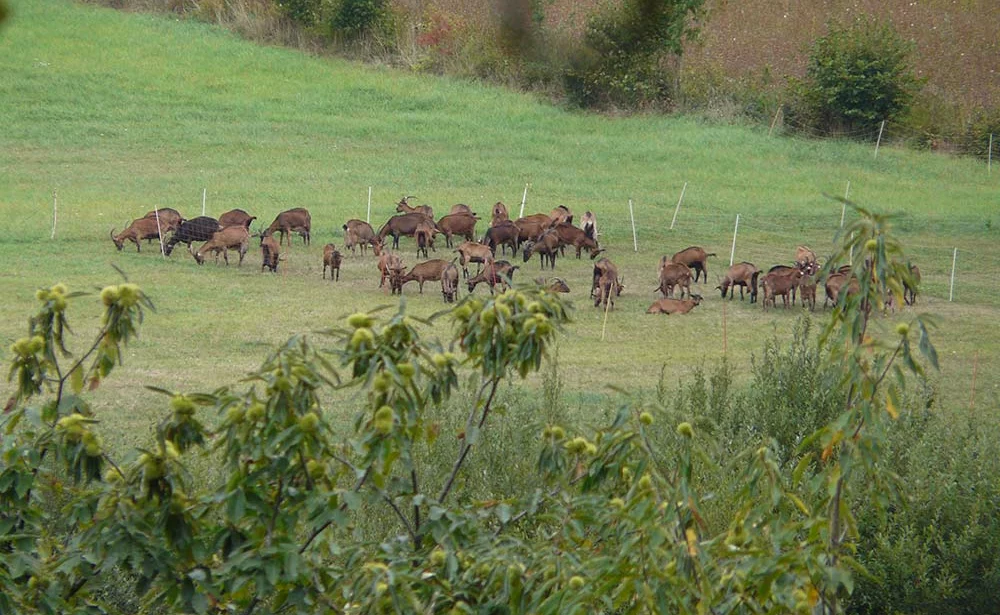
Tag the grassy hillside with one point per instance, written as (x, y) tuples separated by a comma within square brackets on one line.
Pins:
[(120, 112)]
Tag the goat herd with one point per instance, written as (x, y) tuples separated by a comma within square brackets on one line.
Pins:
[(548, 235)]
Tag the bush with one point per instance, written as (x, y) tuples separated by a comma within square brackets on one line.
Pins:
[(622, 60), (976, 140), (303, 12), (354, 18), (857, 76)]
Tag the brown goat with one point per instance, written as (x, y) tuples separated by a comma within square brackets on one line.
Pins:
[(836, 282), (358, 233), (674, 306), (804, 256), (387, 263), (236, 217), (295, 220), (569, 235), (561, 215), (696, 258), (547, 247), (461, 208), (141, 228), (332, 259), (405, 224), (403, 206), (555, 285), (499, 272), (271, 251), (471, 252), (674, 274), (808, 283), (780, 281), (589, 225), (449, 283), (606, 283), (503, 234), (461, 224), (230, 238), (424, 234), (743, 275), (170, 219), (424, 272), (530, 228), (499, 214)]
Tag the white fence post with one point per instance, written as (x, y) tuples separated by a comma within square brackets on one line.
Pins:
[(524, 199), (732, 253), (55, 214), (635, 240), (204, 195), (951, 291), (877, 143), (676, 209), (159, 233), (843, 208), (368, 216)]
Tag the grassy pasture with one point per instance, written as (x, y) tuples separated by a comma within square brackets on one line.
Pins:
[(118, 112)]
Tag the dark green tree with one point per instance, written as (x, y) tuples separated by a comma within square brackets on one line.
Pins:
[(858, 75)]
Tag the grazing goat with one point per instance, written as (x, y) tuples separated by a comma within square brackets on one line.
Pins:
[(360, 233), (197, 229), (229, 238), (743, 275), (270, 250), (461, 224), (141, 228), (295, 220), (808, 283), (695, 258), (674, 274), (332, 259), (449, 283), (423, 272), (403, 206), (503, 234), (674, 306), (547, 248), (387, 263), (569, 235), (499, 272), (424, 234), (236, 217), (531, 228), (471, 252)]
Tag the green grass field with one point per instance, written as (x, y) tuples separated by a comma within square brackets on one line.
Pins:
[(120, 112)]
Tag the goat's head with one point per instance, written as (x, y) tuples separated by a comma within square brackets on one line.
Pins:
[(118, 242), (697, 299), (529, 247)]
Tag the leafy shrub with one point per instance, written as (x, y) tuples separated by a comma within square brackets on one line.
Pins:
[(857, 76), (976, 140), (354, 18), (621, 62), (303, 12)]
